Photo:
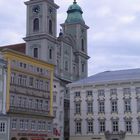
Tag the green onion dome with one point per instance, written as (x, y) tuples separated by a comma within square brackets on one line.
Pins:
[(74, 14)]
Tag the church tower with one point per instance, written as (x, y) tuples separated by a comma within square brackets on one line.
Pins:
[(75, 29), (41, 29)]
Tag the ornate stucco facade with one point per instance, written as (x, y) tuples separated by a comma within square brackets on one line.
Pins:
[(106, 106)]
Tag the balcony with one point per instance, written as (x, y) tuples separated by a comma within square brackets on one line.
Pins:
[(28, 111)]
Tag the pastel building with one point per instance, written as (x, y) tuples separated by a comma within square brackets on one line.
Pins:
[(106, 106), (27, 101)]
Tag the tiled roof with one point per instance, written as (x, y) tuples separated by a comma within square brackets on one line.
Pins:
[(111, 76), (16, 47)]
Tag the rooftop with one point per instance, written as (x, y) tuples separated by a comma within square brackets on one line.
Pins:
[(111, 76)]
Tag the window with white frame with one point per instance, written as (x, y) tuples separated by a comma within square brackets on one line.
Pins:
[(89, 107), (31, 80), (26, 122), (77, 94), (89, 93), (128, 126), (2, 127), (78, 108), (21, 125), (101, 92), (13, 78), (20, 101), (30, 103), (101, 106), (39, 126), (19, 79), (78, 126), (33, 125), (126, 91), (14, 123), (101, 126), (43, 125), (12, 100), (115, 125), (49, 126), (127, 105), (113, 91), (90, 126), (114, 106)]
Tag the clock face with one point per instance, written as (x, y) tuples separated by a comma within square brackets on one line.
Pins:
[(36, 9)]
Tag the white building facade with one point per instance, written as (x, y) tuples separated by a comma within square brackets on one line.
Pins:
[(106, 106)]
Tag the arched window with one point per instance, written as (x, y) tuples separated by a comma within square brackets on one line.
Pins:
[(50, 27), (82, 45), (36, 24), (35, 52), (50, 53)]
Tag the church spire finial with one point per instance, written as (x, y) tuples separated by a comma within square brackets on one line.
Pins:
[(75, 1)]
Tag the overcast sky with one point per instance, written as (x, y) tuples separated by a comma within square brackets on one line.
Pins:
[(113, 37)]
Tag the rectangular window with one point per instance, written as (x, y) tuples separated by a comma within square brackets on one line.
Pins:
[(13, 78), (115, 126), (33, 125), (14, 124), (90, 126), (114, 106), (30, 103), (12, 100), (49, 126), (89, 107), (102, 126), (31, 81), (113, 91), (35, 52), (78, 127), (83, 67), (127, 105), (89, 93), (101, 92), (46, 105), (21, 125), (2, 127), (20, 101), (26, 122), (77, 94), (54, 98), (126, 91), (39, 125), (128, 126), (77, 108), (101, 106)]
